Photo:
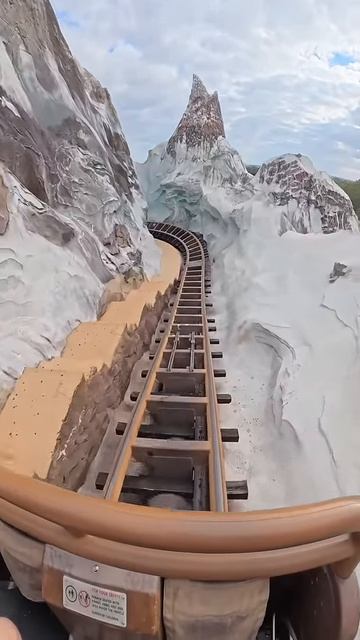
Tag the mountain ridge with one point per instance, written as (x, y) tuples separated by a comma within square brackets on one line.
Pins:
[(351, 187)]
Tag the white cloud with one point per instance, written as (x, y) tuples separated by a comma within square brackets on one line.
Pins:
[(269, 60)]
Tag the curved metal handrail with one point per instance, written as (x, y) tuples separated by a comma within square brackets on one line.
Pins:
[(199, 545)]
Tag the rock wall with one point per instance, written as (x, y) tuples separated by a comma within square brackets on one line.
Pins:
[(310, 199), (54, 113), (71, 212)]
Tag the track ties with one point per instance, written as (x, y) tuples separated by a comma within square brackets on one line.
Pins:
[(169, 450)]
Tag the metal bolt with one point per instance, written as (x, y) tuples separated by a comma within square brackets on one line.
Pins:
[(95, 568)]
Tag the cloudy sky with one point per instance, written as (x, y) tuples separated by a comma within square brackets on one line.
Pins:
[(287, 72)]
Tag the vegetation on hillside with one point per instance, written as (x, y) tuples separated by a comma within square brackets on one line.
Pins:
[(352, 188)]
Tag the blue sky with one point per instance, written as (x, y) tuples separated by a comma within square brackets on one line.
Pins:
[(68, 20), (288, 74), (342, 59)]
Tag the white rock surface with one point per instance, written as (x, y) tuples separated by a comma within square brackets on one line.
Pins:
[(71, 211), (291, 344), (45, 289)]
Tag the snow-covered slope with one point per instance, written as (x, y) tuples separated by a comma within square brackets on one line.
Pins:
[(71, 212), (291, 342), (290, 336)]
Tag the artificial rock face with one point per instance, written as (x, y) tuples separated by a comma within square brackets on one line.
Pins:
[(202, 121), (71, 213), (60, 135), (310, 199)]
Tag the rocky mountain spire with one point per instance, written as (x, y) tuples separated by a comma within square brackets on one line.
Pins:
[(198, 90), (202, 121)]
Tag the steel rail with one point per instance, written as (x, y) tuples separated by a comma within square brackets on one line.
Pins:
[(117, 475), (217, 482)]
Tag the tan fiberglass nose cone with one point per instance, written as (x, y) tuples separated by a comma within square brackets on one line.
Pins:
[(8, 631)]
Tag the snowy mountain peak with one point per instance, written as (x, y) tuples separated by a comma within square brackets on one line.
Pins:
[(199, 176), (202, 122), (198, 90)]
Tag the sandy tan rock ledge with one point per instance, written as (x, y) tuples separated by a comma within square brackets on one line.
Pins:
[(55, 418)]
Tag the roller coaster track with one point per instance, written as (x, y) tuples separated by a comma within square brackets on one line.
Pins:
[(174, 428)]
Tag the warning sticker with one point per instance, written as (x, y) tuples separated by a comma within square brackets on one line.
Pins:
[(95, 602)]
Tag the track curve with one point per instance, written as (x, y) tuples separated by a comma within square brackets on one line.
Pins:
[(175, 420)]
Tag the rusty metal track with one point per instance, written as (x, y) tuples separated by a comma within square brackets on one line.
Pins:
[(174, 429)]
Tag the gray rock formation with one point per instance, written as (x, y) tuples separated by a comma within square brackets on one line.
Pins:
[(197, 176), (339, 271), (4, 211), (202, 120), (310, 200)]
